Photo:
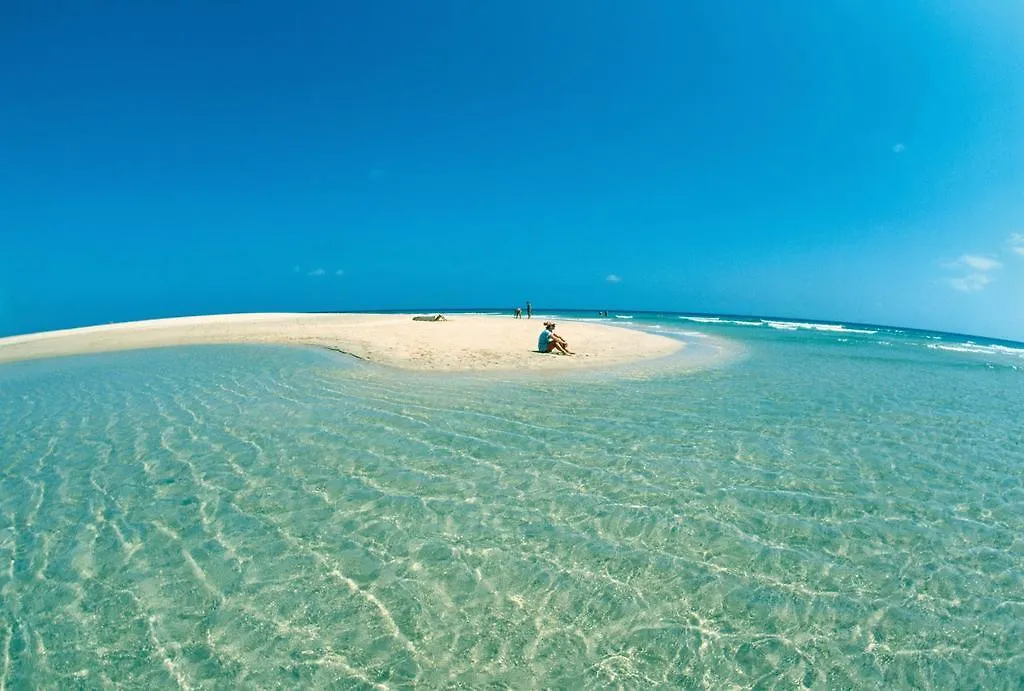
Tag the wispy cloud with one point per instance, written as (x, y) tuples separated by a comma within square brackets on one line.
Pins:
[(318, 272), (980, 263), (971, 283), (899, 148), (977, 269), (1017, 243), (612, 278)]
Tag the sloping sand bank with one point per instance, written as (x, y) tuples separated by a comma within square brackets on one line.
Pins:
[(463, 343)]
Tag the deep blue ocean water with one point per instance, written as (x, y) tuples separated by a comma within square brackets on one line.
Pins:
[(829, 505)]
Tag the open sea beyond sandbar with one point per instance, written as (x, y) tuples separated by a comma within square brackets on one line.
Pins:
[(829, 505)]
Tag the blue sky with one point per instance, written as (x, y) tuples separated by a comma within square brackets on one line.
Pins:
[(860, 161)]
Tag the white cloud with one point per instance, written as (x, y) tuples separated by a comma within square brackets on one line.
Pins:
[(971, 283), (976, 277), (612, 278), (1017, 243), (316, 272), (980, 263), (339, 272), (899, 148)]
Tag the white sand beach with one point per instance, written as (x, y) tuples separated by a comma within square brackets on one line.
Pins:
[(462, 343)]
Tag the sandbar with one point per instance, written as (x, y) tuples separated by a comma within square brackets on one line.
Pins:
[(463, 343)]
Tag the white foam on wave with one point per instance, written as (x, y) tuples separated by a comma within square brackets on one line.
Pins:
[(781, 325), (834, 328), (972, 347), (623, 316), (704, 320), (719, 320)]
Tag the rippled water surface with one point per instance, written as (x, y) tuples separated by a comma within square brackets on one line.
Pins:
[(825, 510)]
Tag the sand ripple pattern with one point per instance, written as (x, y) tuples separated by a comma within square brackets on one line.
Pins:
[(265, 517)]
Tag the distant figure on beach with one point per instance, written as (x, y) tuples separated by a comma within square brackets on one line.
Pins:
[(430, 318), (529, 310), (550, 341), (518, 314)]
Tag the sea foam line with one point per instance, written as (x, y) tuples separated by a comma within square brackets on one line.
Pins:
[(719, 320), (971, 347), (781, 325), (793, 326)]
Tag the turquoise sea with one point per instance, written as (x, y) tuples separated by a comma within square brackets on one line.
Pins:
[(788, 505)]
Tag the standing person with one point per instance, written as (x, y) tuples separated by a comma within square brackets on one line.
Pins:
[(518, 313), (529, 310)]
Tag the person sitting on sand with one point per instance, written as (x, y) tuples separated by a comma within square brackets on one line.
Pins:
[(549, 341), (428, 318)]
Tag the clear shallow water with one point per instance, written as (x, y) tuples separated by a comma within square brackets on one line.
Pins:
[(825, 510)]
